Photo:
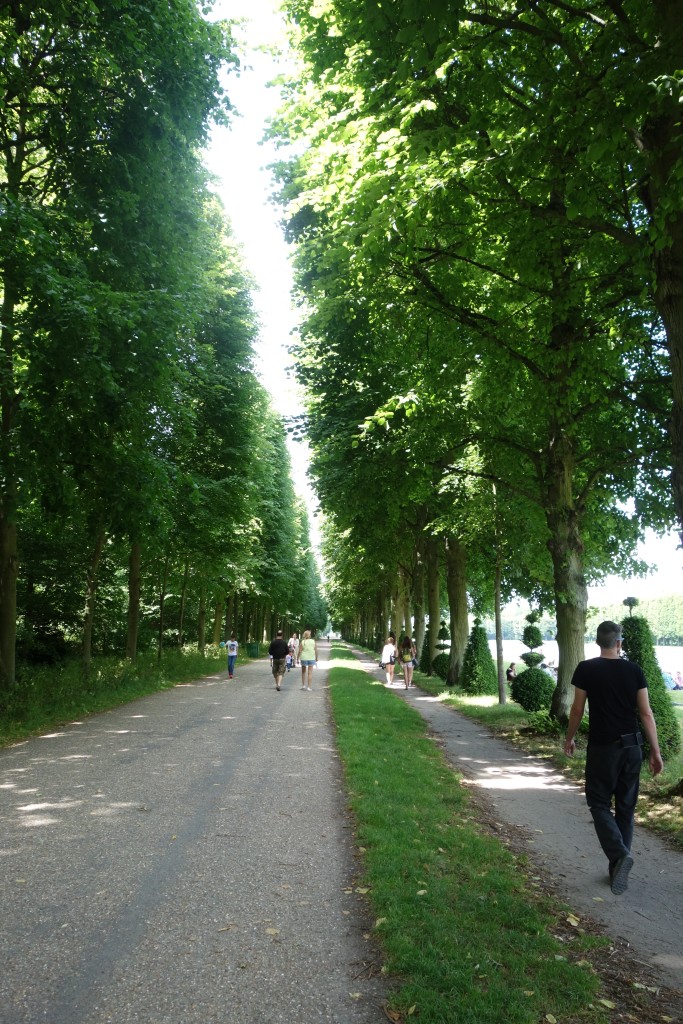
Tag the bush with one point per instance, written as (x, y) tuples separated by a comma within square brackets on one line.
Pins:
[(424, 665), (540, 722), (639, 647), (440, 666), (533, 690), (479, 674)]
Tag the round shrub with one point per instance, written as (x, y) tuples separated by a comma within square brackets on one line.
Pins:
[(639, 647), (440, 666), (532, 636), (533, 689), (479, 674)]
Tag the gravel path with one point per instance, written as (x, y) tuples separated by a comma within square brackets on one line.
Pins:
[(556, 829), (185, 859)]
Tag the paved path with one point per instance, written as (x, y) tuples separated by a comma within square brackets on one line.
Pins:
[(532, 795), (185, 859)]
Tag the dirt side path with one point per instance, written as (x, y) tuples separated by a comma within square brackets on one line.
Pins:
[(558, 835), (184, 859)]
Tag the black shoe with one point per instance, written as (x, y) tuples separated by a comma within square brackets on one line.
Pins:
[(619, 876)]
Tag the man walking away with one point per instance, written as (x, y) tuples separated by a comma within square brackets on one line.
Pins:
[(616, 691), (278, 651)]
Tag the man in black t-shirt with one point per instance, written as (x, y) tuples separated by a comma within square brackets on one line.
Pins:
[(616, 691), (278, 651)]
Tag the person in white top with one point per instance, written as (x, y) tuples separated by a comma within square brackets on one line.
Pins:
[(388, 658), (294, 647)]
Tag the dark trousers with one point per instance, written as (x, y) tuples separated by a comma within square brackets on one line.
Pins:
[(613, 771)]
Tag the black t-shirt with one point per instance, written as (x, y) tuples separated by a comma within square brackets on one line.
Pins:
[(612, 686), (278, 648)]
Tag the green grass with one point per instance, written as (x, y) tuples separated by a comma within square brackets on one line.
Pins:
[(463, 928), (48, 696)]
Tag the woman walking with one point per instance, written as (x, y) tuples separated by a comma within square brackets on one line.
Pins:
[(308, 656), (389, 658), (407, 653)]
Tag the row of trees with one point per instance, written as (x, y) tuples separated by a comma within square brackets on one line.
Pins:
[(488, 221), (140, 459)]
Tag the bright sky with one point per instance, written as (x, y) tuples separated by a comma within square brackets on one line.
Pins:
[(239, 158)]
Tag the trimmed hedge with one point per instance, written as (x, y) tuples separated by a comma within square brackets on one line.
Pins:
[(533, 689), (479, 673), (639, 646)]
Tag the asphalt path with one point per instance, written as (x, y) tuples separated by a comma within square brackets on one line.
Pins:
[(554, 828), (185, 859)]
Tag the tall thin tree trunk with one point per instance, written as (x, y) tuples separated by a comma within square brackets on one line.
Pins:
[(502, 695), (419, 603), (230, 616), (183, 602), (90, 594), (433, 598), (201, 620), (456, 582), (162, 601), (134, 565), (9, 553)]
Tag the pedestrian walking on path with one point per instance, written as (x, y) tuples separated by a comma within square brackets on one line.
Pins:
[(278, 652), (616, 691), (308, 656), (232, 646), (544, 814)]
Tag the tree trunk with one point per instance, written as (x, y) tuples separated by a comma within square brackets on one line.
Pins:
[(201, 620), (90, 594), (9, 556), (502, 694), (134, 564), (566, 551), (433, 599), (230, 616), (419, 604), (456, 583), (162, 601), (183, 601), (217, 621), (660, 136)]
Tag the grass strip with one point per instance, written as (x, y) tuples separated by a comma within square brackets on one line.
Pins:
[(461, 926), (47, 696)]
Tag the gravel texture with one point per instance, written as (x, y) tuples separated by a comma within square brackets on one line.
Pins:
[(185, 859)]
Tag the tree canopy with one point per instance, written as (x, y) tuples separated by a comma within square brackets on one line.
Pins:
[(485, 211)]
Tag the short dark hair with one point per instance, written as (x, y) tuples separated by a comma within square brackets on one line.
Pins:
[(608, 635), (279, 632)]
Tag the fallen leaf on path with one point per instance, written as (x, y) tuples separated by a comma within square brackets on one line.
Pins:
[(379, 921), (606, 1002), (529, 992), (272, 931), (412, 1010), (362, 891), (392, 1015), (573, 920), (551, 1020), (355, 995), (421, 892)]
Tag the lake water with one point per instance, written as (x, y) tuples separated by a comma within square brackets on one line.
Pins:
[(670, 658)]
